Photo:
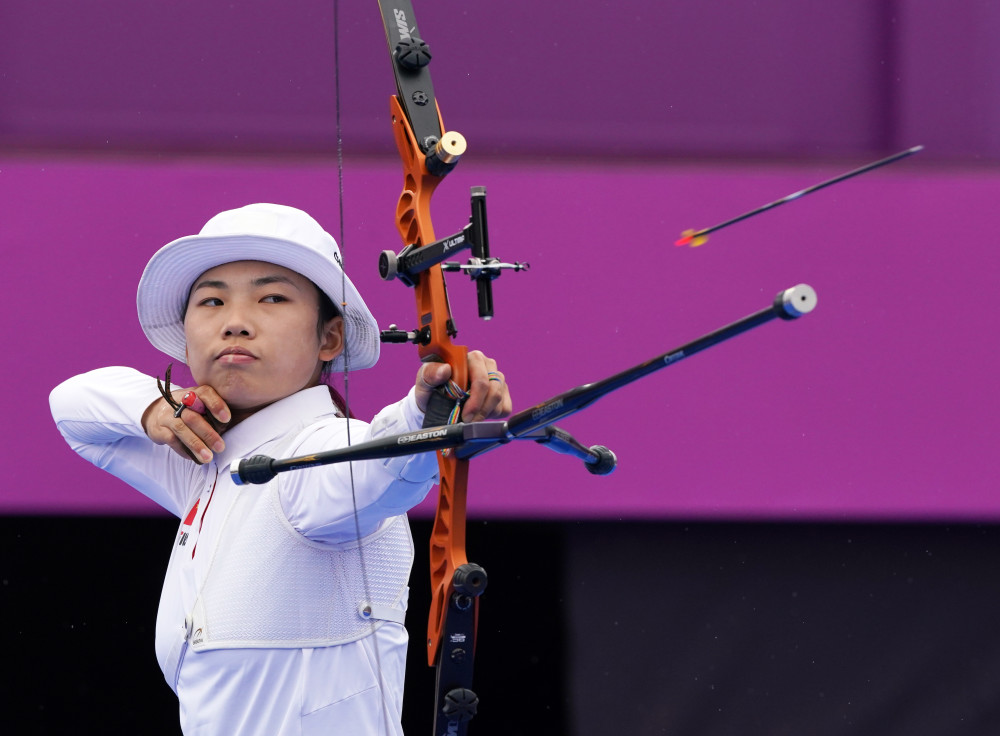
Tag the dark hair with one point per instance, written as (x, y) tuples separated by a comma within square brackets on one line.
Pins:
[(327, 311)]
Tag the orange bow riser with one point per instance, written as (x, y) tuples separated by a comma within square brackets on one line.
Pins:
[(427, 154), (413, 219)]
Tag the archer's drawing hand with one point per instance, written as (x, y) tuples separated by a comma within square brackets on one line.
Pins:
[(190, 435), (489, 396)]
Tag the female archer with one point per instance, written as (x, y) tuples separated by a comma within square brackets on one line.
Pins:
[(282, 607)]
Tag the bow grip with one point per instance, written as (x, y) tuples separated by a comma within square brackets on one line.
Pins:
[(439, 408)]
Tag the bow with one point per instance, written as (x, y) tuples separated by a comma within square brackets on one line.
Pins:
[(428, 153)]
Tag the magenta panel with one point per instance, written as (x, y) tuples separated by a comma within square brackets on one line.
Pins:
[(881, 404)]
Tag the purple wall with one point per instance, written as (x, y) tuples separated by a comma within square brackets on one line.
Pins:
[(881, 404), (632, 77)]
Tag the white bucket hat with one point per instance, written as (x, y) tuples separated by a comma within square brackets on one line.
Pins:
[(271, 233)]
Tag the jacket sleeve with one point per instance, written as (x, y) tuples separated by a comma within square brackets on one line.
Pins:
[(100, 415), (332, 504)]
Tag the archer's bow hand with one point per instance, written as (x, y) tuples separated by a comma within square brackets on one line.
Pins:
[(489, 396)]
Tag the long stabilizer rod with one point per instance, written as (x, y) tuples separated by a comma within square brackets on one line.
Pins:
[(535, 423)]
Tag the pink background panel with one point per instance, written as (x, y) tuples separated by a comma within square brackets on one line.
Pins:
[(881, 404)]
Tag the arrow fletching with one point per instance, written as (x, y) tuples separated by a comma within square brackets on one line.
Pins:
[(694, 238)]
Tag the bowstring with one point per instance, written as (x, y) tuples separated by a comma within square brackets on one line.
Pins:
[(347, 356)]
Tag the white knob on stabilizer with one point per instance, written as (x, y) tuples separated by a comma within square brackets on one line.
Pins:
[(798, 300)]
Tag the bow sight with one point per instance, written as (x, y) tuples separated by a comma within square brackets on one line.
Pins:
[(481, 268), (428, 154)]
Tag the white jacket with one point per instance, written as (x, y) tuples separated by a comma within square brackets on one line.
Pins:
[(240, 684)]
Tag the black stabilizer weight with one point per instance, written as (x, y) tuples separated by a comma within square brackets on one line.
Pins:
[(460, 705), (253, 470), (413, 53), (605, 462), (469, 579)]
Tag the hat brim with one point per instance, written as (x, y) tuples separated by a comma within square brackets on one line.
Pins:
[(163, 289)]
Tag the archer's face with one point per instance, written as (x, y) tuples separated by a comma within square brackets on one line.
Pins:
[(252, 333)]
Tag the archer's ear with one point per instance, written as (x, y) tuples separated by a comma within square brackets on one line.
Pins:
[(332, 339)]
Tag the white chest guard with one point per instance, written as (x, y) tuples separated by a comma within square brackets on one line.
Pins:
[(270, 587)]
